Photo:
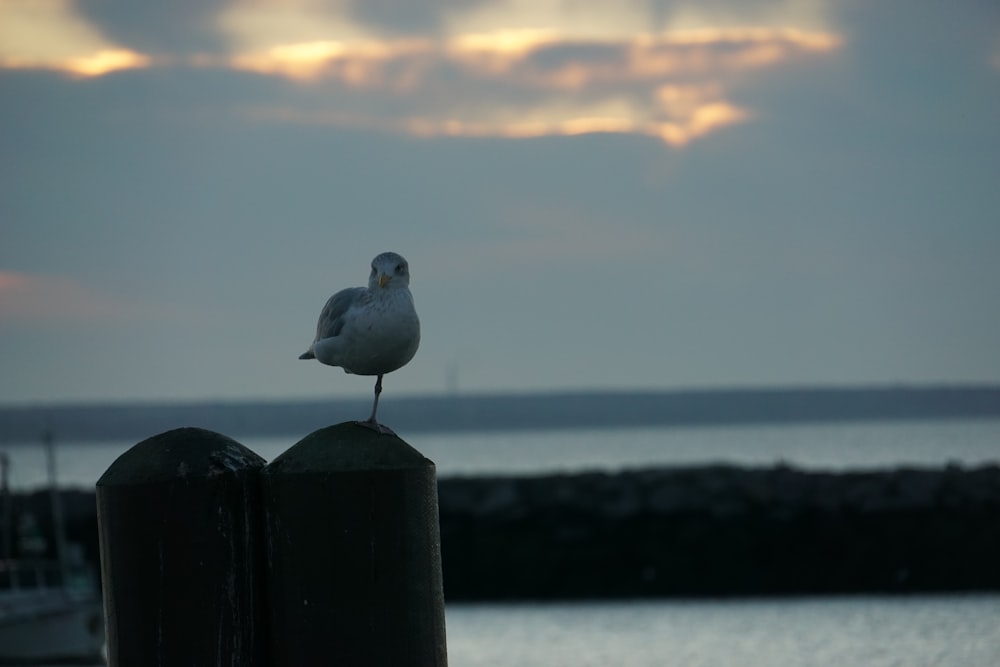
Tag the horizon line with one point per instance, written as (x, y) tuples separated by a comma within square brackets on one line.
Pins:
[(500, 393)]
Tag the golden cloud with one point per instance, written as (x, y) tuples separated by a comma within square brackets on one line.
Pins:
[(49, 34), (304, 61), (527, 56), (360, 64), (104, 61), (596, 73), (519, 55), (670, 85)]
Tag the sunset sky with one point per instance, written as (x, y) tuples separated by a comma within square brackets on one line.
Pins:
[(591, 195)]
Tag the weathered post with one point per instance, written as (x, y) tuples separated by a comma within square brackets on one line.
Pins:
[(353, 552), (181, 559)]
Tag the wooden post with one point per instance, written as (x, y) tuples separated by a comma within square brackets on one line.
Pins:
[(179, 522), (353, 552)]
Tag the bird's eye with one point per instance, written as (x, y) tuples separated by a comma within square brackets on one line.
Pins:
[(374, 271), (399, 268)]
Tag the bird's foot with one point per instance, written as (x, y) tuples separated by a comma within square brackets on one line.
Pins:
[(375, 426)]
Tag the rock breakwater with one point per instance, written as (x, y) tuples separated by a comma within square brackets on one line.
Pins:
[(709, 530), (721, 530)]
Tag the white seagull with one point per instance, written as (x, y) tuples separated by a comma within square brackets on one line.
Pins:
[(370, 330)]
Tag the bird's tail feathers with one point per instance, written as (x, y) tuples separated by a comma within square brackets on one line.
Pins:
[(308, 354)]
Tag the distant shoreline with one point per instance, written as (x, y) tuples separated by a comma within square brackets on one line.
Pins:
[(498, 412)]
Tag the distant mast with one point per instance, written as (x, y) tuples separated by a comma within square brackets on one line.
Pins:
[(58, 526), (8, 519)]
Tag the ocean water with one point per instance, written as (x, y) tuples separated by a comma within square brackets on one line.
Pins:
[(855, 631), (861, 631), (828, 446)]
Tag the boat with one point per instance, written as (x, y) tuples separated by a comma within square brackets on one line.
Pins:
[(50, 609), (44, 620)]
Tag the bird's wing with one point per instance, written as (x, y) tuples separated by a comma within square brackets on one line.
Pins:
[(331, 318)]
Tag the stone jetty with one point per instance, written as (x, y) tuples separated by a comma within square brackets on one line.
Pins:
[(721, 530), (695, 531)]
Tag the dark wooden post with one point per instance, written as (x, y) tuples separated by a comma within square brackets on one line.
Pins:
[(179, 522), (353, 552)]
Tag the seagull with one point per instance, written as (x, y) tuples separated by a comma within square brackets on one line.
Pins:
[(370, 330)]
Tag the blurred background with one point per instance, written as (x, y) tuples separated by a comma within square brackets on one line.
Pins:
[(642, 195)]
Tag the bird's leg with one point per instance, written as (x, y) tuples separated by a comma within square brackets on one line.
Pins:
[(378, 392), (370, 422)]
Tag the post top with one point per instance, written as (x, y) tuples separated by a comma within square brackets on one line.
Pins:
[(180, 454), (347, 447)]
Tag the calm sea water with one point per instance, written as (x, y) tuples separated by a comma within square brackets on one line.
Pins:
[(863, 631), (836, 446), (919, 631)]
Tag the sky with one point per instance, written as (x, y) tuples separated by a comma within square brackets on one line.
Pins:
[(640, 194)]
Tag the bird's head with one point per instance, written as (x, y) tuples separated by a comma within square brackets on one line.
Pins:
[(389, 271)]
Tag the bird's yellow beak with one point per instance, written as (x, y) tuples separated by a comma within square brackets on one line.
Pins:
[(384, 279)]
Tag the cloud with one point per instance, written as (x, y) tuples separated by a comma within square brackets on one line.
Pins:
[(254, 25), (253, 22), (50, 34), (543, 69), (410, 16), (163, 29), (514, 68), (33, 297), (672, 86)]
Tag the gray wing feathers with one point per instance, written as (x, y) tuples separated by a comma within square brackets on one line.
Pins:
[(331, 319)]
